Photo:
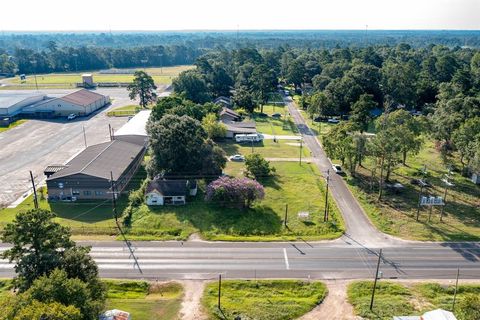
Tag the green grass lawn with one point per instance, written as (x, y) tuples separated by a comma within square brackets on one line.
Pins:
[(391, 299), (67, 80), (145, 301), (275, 126), (394, 299), (263, 299), (124, 111), (397, 212), (263, 222), (12, 125), (267, 148)]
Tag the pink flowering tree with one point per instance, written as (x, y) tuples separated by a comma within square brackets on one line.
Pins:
[(236, 192)]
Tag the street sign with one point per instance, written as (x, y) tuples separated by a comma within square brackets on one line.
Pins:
[(432, 201), (303, 215)]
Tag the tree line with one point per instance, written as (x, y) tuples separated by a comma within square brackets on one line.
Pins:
[(69, 59), (441, 83)]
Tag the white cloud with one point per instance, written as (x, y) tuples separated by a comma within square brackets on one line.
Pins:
[(245, 14)]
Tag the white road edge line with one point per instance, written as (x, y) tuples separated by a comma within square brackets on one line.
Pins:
[(286, 259)]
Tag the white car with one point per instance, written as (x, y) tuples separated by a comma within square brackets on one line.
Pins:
[(337, 168), (71, 116), (333, 120), (237, 157)]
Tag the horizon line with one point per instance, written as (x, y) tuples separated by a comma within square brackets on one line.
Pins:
[(218, 30)]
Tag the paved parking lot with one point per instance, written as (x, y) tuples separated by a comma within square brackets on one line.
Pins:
[(39, 143)]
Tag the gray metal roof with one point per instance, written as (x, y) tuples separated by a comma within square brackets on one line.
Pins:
[(168, 188), (136, 126), (98, 160), (10, 99)]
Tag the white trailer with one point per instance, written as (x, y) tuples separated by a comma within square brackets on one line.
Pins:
[(254, 137)]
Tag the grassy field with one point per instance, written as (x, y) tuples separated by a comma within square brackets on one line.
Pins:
[(12, 125), (67, 80), (394, 299), (275, 126), (263, 222), (124, 111), (263, 299), (145, 301), (396, 213), (267, 148)]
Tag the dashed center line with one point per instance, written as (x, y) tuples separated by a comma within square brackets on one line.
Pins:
[(286, 259)]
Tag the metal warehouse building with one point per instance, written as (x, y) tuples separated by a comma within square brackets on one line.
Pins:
[(87, 176), (12, 104), (135, 130), (82, 103)]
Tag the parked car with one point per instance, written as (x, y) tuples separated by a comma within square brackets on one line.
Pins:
[(337, 168), (237, 157), (276, 115), (333, 120), (71, 116)]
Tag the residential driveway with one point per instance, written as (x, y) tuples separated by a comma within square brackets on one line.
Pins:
[(38, 143), (359, 229), (280, 137)]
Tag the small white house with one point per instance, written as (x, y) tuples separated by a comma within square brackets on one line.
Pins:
[(169, 192)]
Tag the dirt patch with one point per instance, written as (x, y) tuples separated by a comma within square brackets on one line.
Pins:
[(191, 306), (195, 237), (335, 306)]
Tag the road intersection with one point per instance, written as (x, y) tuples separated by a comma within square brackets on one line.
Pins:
[(352, 256)]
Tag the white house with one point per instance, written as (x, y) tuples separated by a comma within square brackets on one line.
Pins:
[(169, 192)]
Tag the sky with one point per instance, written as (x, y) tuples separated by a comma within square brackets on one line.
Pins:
[(104, 15)]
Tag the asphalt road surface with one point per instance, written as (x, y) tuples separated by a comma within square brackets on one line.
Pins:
[(38, 143), (202, 260), (358, 226)]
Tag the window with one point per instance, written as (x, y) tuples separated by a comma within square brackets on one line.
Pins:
[(87, 192), (99, 193), (75, 192)]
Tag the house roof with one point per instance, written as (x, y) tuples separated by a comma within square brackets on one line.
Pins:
[(438, 314), (229, 112), (240, 127), (135, 126), (223, 99), (101, 159), (168, 188), (82, 97)]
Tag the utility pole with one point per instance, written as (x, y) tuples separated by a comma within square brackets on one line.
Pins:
[(219, 291), (110, 131), (35, 200), (325, 214), (375, 281), (447, 185), (286, 215), (84, 137), (301, 145), (456, 288), (115, 215), (35, 72), (422, 184)]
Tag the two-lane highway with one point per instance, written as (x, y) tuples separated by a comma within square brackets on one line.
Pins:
[(204, 260)]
